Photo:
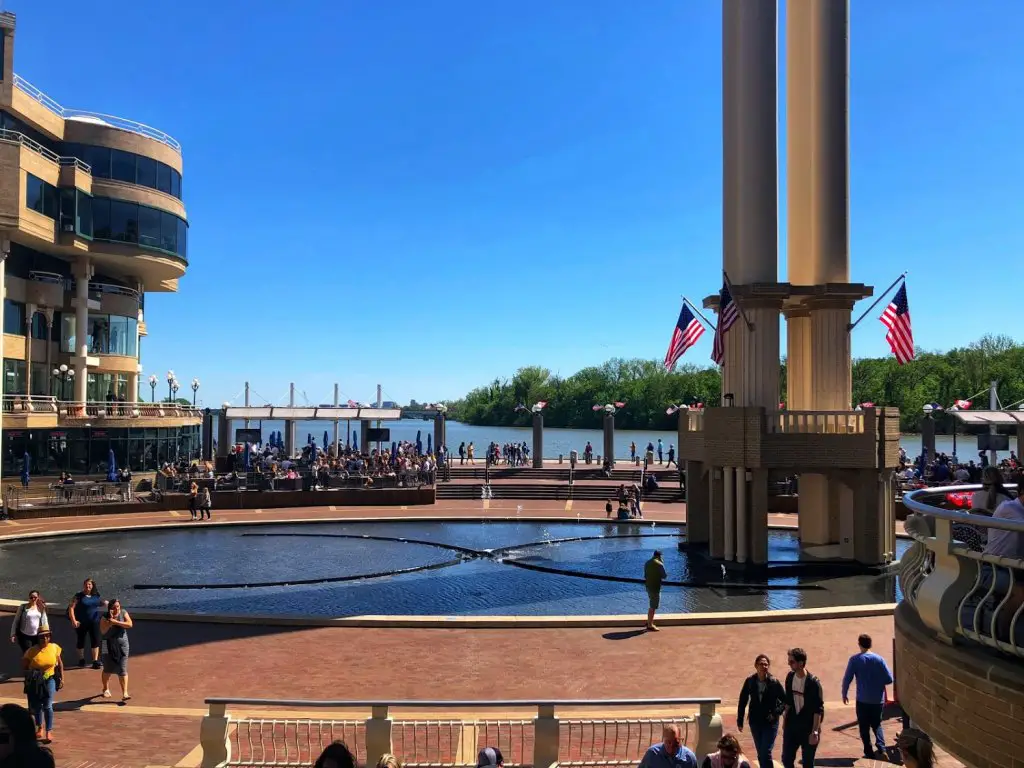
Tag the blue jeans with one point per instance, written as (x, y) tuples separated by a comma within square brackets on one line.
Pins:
[(42, 708), (764, 735), (869, 722)]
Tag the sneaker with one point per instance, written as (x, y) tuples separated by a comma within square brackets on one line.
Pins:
[(81, 663), (97, 665)]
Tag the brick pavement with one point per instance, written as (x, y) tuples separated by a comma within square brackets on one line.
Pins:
[(175, 665)]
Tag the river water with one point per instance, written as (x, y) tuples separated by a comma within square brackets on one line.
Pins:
[(556, 441)]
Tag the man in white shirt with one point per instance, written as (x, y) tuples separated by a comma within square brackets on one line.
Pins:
[(1003, 543)]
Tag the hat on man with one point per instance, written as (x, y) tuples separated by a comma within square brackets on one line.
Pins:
[(489, 756)]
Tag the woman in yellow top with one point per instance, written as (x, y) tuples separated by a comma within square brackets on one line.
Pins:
[(42, 665)]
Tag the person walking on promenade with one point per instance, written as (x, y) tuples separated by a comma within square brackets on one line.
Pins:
[(661, 448), (729, 754), (115, 625), (872, 675), (632, 451), (654, 576), (29, 620), (767, 699), (671, 457), (469, 453), (43, 668), (462, 452), (670, 753), (84, 612), (805, 709), (205, 503), (193, 500)]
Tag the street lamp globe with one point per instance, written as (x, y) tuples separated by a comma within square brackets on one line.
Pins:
[(71, 372), (152, 379), (928, 408), (63, 367), (56, 371), (195, 384), (170, 376)]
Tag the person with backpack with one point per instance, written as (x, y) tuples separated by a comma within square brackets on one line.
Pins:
[(805, 709)]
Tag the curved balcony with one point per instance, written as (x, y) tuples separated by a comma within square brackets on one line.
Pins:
[(960, 627)]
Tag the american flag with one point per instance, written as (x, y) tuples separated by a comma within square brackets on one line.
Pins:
[(897, 319), (727, 314), (688, 329)]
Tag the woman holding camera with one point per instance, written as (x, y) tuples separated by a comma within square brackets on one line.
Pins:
[(115, 625)]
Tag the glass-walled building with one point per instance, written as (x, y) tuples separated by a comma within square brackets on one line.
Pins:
[(92, 219)]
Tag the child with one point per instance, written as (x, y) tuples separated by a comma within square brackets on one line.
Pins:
[(608, 508)]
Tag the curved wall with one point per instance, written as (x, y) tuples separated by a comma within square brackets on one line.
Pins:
[(138, 194), (101, 135), (971, 701)]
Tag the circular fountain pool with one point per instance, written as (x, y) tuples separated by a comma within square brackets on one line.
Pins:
[(418, 567)]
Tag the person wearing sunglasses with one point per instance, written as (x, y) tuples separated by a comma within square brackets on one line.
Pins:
[(729, 754), (805, 709)]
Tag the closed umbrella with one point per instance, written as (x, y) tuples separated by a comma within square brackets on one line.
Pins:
[(430, 439), (309, 438), (111, 467), (248, 458), (25, 462), (355, 441), (419, 442), (326, 441), (394, 452)]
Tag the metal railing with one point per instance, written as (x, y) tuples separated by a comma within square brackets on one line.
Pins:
[(26, 404), (528, 733), (957, 585), (815, 422), (111, 120), (116, 290), (15, 137), (118, 410), (51, 278)]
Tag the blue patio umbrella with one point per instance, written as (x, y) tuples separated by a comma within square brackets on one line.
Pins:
[(111, 467), (326, 441), (419, 442), (355, 441), (309, 438), (312, 450), (248, 458), (394, 452), (429, 440), (25, 464)]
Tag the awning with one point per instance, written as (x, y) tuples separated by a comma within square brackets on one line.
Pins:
[(284, 412), (998, 418)]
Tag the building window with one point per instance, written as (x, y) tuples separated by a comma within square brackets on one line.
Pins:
[(67, 333), (98, 159), (113, 335), (39, 329), (169, 232), (124, 221), (133, 223), (175, 183), (163, 178), (83, 214), (40, 379), (122, 165), (14, 317), (41, 197), (101, 218), (14, 377), (117, 164), (149, 226)]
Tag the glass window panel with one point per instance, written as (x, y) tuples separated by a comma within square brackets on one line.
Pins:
[(39, 326), (83, 212), (182, 249), (101, 218), (169, 232), (67, 210), (14, 317), (67, 332), (55, 327), (121, 340), (99, 334), (175, 183), (124, 221), (14, 377), (34, 193), (163, 178), (149, 226), (51, 201), (122, 165), (99, 159), (40, 379), (145, 171)]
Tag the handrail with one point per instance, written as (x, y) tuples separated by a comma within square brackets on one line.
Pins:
[(418, 703), (111, 121), (118, 290), (16, 137), (53, 278), (911, 500)]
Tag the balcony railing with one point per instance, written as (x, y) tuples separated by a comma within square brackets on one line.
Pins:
[(14, 137), (74, 412), (51, 278), (97, 117), (815, 422), (528, 733), (115, 290), (966, 592)]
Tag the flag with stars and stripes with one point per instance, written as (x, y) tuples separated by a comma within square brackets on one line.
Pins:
[(728, 312), (688, 329), (897, 319)]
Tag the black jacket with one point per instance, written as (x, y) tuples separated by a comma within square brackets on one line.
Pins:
[(766, 709), (814, 701)]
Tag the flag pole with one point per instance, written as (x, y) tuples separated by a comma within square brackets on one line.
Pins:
[(743, 314), (881, 296), (700, 314)]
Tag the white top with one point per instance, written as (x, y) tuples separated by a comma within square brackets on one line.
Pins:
[(798, 692), (979, 500), (30, 620), (1007, 543)]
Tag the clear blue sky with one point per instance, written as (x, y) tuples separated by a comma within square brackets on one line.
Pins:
[(430, 195)]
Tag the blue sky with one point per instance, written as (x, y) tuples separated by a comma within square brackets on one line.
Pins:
[(430, 195)]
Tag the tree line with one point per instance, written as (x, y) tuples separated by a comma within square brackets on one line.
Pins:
[(648, 389)]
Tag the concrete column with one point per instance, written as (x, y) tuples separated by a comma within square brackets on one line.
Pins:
[(378, 732), (716, 520), (538, 440), (928, 437), (798, 360), (813, 510), (30, 312), (759, 369), (1020, 439), (207, 434), (741, 515), (440, 429), (729, 513), (48, 312), (223, 433), (609, 437), (698, 503), (749, 138), (337, 425), (133, 387), (364, 428), (758, 533), (846, 514), (831, 367), (83, 273)]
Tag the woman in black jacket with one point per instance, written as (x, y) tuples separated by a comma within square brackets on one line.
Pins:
[(767, 699)]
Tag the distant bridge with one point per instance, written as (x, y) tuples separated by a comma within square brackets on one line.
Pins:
[(419, 413)]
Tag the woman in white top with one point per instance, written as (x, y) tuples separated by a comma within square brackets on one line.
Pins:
[(983, 502), (29, 620)]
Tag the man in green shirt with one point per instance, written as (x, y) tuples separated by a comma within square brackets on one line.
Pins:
[(654, 575)]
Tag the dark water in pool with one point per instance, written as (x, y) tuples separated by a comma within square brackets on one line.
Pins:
[(465, 568)]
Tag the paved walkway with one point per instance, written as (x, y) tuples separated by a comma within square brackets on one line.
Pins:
[(175, 666)]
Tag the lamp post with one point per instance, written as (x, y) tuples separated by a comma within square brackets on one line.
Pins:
[(170, 381), (174, 390), (609, 409), (64, 374), (195, 389), (152, 387), (927, 434)]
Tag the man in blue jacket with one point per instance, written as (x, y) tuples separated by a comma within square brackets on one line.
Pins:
[(872, 675)]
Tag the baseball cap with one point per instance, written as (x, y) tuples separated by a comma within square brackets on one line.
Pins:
[(489, 756)]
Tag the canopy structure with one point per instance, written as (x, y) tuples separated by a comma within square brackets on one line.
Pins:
[(321, 413), (989, 418)]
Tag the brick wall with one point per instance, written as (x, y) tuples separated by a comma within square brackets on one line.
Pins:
[(970, 701)]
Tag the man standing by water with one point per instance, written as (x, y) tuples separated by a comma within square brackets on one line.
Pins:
[(654, 576), (872, 675)]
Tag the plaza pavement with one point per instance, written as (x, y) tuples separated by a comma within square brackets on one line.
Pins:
[(176, 665)]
